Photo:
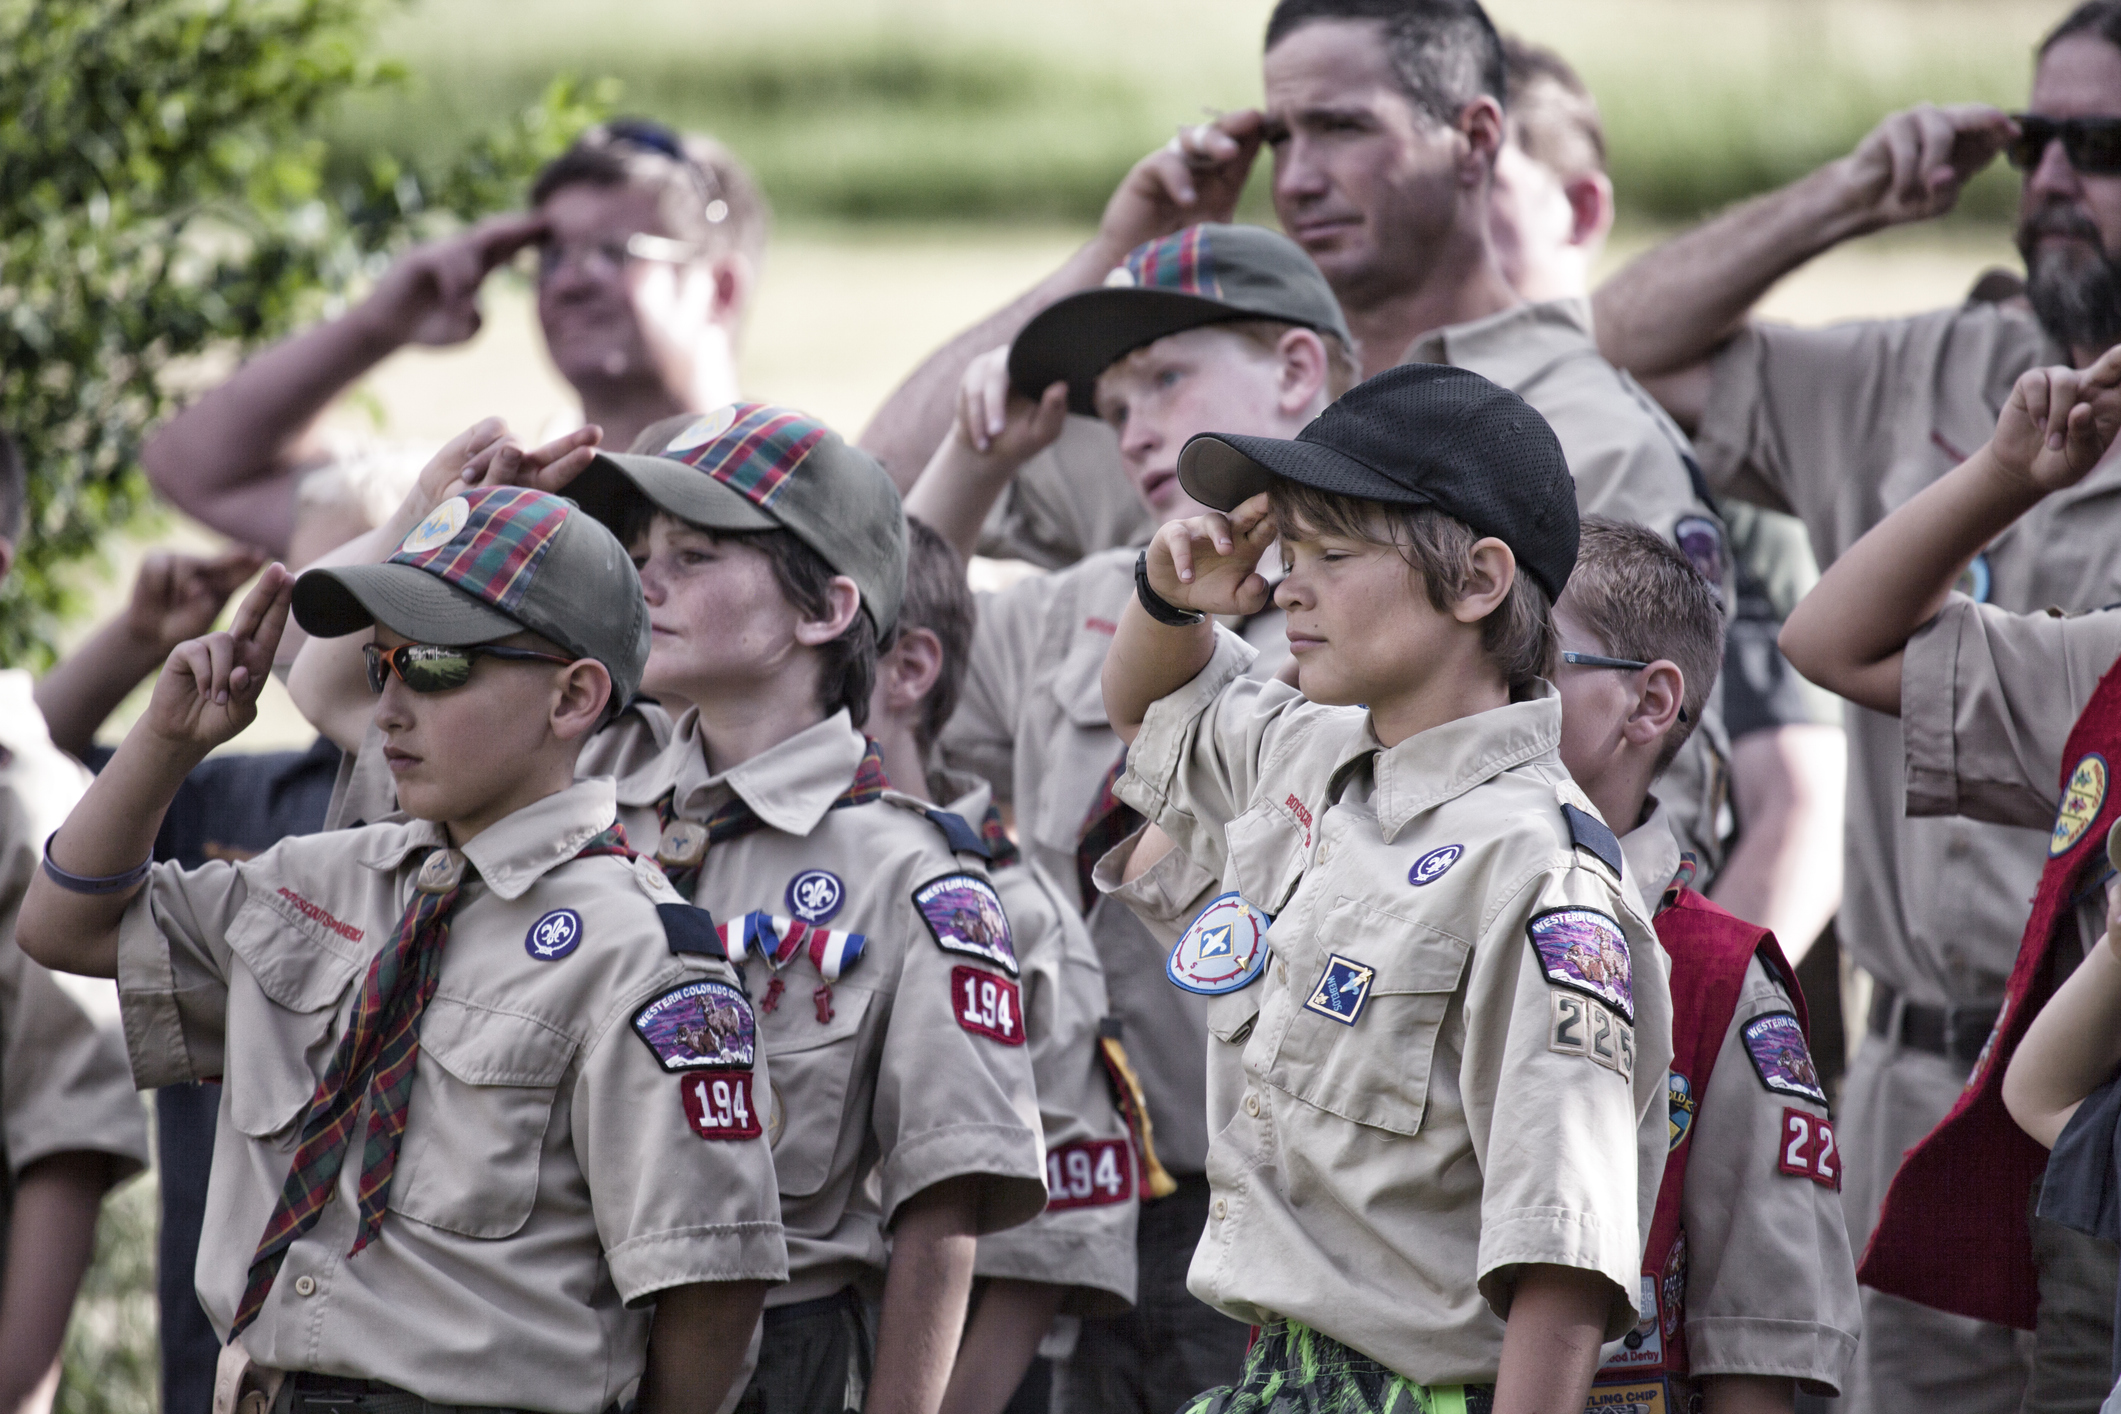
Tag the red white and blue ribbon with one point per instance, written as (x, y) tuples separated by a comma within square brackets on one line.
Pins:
[(778, 940)]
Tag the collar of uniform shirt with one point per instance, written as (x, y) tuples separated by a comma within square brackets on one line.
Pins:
[(1446, 761), (789, 787), (1651, 854), (1513, 347), (516, 851)]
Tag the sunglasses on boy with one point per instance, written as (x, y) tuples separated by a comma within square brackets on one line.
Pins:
[(2093, 145), (1599, 660), (433, 667)]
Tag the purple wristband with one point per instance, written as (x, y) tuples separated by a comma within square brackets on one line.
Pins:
[(85, 884)]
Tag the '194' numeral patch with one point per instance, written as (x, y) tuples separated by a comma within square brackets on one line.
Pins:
[(719, 1106), (1809, 1150), (987, 1005), (1580, 1026), (1090, 1173)]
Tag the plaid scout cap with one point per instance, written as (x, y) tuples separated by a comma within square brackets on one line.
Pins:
[(490, 562), (1205, 274), (1421, 434), (754, 466)]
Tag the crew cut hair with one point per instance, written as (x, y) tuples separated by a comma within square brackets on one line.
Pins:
[(1445, 53), (939, 600), (1518, 635), (1552, 114), (2099, 17), (1645, 600), (710, 198)]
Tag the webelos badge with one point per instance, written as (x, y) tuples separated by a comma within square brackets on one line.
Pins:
[(702, 431), (1224, 950), (1341, 993), (1776, 1044), (965, 916), (1431, 866), (2081, 801), (1584, 950), (554, 936), (815, 895), (440, 527), (699, 1026)]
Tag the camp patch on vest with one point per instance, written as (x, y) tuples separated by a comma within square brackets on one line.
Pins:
[(699, 1026), (1776, 1044), (1578, 1026), (964, 914), (1680, 1091), (1584, 949), (2081, 801), (1224, 950), (1341, 993), (1642, 1347)]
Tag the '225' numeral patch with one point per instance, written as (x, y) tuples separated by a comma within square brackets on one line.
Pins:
[(1809, 1150), (987, 1005), (1581, 1026)]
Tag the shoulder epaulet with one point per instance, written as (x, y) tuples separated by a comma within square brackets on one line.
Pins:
[(956, 830), (1586, 831), (689, 929)]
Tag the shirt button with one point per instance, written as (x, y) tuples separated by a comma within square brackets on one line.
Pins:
[(305, 1286), (1221, 1208), (1252, 1104), (1281, 971)]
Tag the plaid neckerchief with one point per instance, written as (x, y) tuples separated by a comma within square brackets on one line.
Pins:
[(373, 1065), (735, 818), (1108, 821), (1002, 849)]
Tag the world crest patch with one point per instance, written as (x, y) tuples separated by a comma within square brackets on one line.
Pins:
[(699, 1026), (1585, 950), (1224, 949), (2082, 800), (1775, 1043), (964, 915)]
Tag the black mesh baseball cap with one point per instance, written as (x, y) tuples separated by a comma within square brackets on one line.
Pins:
[(1421, 434)]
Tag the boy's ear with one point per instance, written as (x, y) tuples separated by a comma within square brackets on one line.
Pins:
[(585, 688), (912, 667), (1303, 373), (1657, 709), (1590, 207), (1491, 570), (843, 602)]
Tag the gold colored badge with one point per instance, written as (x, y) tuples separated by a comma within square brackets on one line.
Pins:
[(2081, 803)]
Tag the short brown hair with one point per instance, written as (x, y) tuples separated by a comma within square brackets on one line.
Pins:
[(939, 600), (1646, 601), (1552, 114), (707, 196), (1343, 369), (1518, 635)]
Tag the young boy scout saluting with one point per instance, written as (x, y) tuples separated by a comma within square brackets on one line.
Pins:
[(1748, 1288), (773, 558), (550, 1067), (1432, 1183)]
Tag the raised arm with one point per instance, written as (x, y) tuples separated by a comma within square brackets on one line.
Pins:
[(1850, 633), (1671, 307), (1197, 176), (207, 693), (231, 459), (993, 434)]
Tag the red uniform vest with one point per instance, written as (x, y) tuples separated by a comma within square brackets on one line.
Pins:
[(1709, 948), (1953, 1233)]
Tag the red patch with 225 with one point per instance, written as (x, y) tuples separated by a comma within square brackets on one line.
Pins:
[(719, 1104), (987, 1004)]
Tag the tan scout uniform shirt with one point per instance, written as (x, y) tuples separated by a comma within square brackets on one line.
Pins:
[(881, 1074), (550, 1179), (1385, 1175), (1068, 502), (1031, 719), (64, 1084), (1771, 1285), (1840, 426), (1085, 1238)]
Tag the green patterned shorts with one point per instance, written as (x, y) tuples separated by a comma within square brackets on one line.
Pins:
[(1292, 1369)]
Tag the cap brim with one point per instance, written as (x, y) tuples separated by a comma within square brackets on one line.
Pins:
[(1076, 339), (1223, 471), (331, 603), (612, 479)]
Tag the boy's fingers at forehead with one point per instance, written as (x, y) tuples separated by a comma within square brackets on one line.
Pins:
[(264, 610)]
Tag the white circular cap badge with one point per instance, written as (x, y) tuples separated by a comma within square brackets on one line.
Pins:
[(1120, 278), (440, 527), (1225, 949), (703, 430)]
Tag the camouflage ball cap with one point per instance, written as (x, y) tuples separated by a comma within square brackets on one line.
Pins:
[(754, 466), (491, 562)]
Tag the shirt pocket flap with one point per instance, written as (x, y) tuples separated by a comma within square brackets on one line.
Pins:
[(286, 952), (286, 998), (1232, 1016), (1269, 851), (482, 1100), (1365, 1053), (815, 1060)]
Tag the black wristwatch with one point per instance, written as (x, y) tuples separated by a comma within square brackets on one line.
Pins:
[(1159, 608)]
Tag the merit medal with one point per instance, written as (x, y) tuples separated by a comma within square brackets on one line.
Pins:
[(1225, 949)]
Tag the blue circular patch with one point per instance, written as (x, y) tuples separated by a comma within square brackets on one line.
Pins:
[(554, 936), (1224, 950), (815, 895), (1431, 866)]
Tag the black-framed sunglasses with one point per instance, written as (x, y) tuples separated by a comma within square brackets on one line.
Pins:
[(434, 667), (1599, 660), (2093, 145)]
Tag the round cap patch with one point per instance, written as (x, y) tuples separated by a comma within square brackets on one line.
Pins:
[(554, 936), (440, 527), (1431, 866), (1225, 949), (703, 431), (815, 895), (2081, 802)]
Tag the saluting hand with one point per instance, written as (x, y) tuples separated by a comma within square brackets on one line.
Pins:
[(431, 295), (176, 597), (1210, 563), (1914, 164), (1197, 176), (208, 689), (2059, 422), (997, 422)]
